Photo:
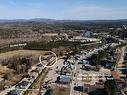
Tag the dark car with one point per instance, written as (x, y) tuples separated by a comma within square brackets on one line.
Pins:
[(49, 92), (79, 88), (13, 92)]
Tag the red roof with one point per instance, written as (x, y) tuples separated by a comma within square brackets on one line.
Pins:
[(94, 86), (115, 75)]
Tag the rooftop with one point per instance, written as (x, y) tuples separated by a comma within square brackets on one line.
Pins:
[(115, 75)]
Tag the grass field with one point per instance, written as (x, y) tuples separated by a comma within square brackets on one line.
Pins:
[(20, 52)]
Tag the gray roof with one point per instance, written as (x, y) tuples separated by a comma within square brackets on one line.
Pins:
[(65, 78)]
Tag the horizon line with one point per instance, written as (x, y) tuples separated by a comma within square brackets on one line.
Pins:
[(60, 19)]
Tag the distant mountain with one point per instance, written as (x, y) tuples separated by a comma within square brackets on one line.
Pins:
[(8, 20), (28, 20), (53, 21), (42, 20)]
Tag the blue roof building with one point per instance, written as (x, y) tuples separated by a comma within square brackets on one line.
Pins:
[(65, 79), (88, 34)]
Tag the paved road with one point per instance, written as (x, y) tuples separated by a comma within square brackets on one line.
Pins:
[(120, 63), (77, 81), (121, 60), (52, 75)]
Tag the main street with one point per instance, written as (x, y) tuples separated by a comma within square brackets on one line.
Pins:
[(78, 72), (121, 56)]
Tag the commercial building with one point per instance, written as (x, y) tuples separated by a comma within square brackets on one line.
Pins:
[(65, 79), (88, 34)]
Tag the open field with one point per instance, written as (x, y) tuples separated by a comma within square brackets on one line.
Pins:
[(20, 52)]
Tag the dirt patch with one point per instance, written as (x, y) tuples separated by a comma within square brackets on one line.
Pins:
[(61, 91)]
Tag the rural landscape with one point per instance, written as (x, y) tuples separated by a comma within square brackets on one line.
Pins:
[(90, 59)]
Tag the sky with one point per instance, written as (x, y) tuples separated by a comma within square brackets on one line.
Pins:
[(63, 9)]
